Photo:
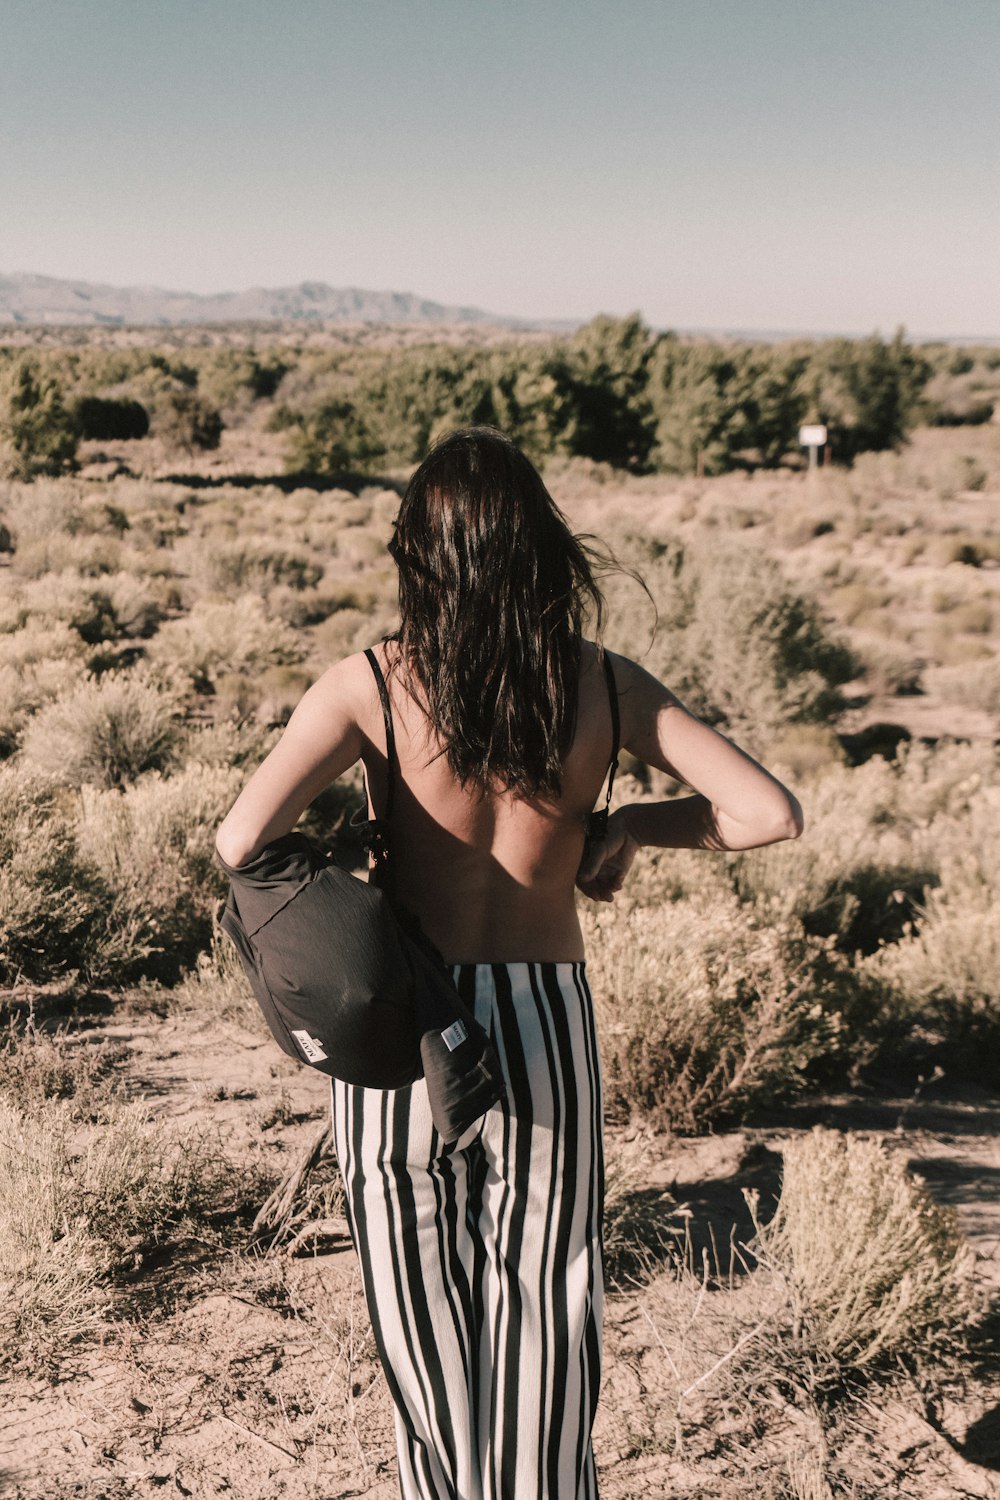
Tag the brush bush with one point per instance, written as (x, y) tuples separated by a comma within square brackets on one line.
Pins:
[(740, 646), (710, 1009), (219, 636), (80, 1209), (151, 845), (50, 902), (874, 1267), (106, 730)]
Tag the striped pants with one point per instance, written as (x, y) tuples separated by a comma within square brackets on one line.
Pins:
[(482, 1261)]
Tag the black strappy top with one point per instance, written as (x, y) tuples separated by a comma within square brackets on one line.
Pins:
[(373, 833)]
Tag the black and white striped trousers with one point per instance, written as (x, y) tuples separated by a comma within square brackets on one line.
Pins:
[(482, 1261)]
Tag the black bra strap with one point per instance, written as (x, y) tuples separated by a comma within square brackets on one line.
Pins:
[(390, 734), (597, 823)]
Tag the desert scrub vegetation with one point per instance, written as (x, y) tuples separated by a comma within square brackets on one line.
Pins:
[(50, 904), (39, 1062), (730, 983), (874, 1268), (711, 1010), (113, 884), (82, 1208), (224, 636), (847, 1306), (106, 730), (739, 644), (151, 847)]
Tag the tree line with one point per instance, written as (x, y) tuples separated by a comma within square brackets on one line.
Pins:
[(614, 392)]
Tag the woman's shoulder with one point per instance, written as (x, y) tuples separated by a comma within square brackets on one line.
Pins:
[(350, 685)]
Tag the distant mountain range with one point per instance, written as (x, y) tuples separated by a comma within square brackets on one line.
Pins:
[(25, 298)]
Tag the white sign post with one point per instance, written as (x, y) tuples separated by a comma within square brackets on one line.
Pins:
[(813, 437)]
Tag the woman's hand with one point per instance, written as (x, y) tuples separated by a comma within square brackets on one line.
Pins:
[(607, 861)]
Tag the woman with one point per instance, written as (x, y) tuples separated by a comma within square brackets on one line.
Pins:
[(482, 1261)]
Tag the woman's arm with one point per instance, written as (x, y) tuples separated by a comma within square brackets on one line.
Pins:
[(737, 804), (321, 741)]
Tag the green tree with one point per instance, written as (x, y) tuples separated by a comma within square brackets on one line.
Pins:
[(696, 410), (332, 438), (716, 406), (867, 392), (608, 361), (37, 433), (109, 419)]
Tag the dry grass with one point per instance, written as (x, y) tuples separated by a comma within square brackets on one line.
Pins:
[(711, 1010), (105, 731), (72, 1212), (874, 1268), (38, 1064)]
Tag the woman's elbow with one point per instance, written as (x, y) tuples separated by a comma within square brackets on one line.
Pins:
[(793, 822), (232, 847)]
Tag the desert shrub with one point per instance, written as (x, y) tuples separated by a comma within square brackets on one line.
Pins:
[(804, 749), (49, 902), (229, 742), (53, 528), (270, 698), (258, 566), (737, 643), (874, 1267), (106, 730), (41, 509), (889, 669), (876, 837), (942, 972), (152, 847), (37, 433), (975, 686), (710, 1008), (109, 420), (216, 984), (75, 1213), (221, 635), (301, 608), (185, 420), (57, 533), (118, 605), (640, 1225), (338, 636), (334, 438), (37, 1065), (962, 413), (975, 616), (24, 689)]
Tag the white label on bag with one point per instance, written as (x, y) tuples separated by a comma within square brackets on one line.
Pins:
[(312, 1047), (455, 1033)]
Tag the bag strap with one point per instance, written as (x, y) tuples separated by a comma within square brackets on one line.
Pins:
[(374, 832), (390, 733), (597, 822)]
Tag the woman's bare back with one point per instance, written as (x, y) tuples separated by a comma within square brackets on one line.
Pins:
[(490, 877)]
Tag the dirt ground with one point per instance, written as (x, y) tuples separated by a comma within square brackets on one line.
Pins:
[(247, 1375)]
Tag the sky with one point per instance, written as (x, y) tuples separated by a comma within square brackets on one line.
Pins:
[(814, 165)]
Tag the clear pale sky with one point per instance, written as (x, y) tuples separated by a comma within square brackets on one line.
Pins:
[(827, 165)]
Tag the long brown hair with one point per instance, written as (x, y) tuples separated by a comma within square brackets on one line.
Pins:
[(494, 589)]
